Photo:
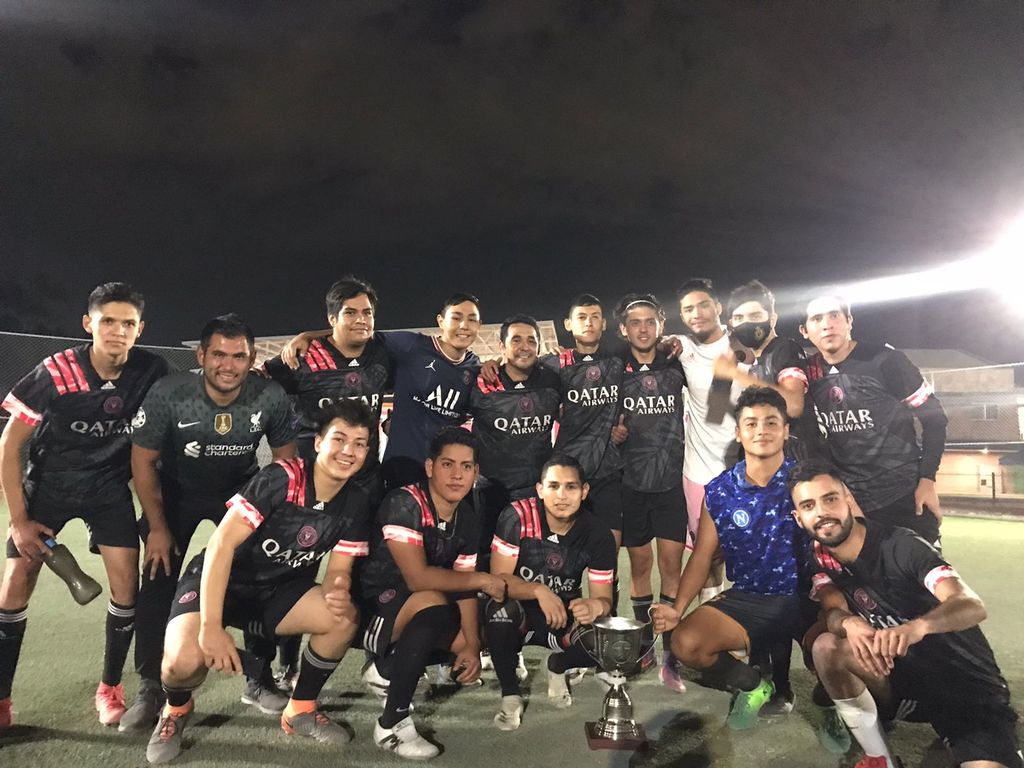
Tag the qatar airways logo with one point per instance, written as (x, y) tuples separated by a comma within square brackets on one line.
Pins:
[(654, 404), (290, 557), (557, 584), (107, 428), (524, 425), (847, 421), (593, 396), (373, 401)]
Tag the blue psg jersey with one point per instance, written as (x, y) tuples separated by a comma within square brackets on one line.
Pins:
[(430, 391), (761, 542)]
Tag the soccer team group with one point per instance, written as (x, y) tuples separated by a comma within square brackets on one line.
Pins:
[(493, 516)]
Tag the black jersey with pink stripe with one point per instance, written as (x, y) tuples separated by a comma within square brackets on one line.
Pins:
[(81, 447), (408, 516), (867, 405), (652, 402), (555, 560), (892, 582), (325, 376), (293, 530)]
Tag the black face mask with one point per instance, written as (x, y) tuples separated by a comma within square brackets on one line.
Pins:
[(752, 335)]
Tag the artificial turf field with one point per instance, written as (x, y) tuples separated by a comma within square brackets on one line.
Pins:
[(61, 660)]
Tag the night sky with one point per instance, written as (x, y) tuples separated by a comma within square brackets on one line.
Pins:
[(243, 155)]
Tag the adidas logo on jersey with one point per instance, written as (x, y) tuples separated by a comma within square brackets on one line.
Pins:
[(108, 385), (354, 364), (319, 506), (553, 538)]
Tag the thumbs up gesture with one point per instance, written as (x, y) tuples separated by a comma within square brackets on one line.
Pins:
[(620, 432)]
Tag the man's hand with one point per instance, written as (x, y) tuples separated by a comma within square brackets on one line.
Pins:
[(552, 607), (894, 642), (494, 586), (219, 651), (671, 347), (159, 545), (586, 611), (467, 664), (861, 637), (338, 597), (665, 617), (28, 539), (725, 367), (489, 372), (294, 349), (620, 432), (926, 496)]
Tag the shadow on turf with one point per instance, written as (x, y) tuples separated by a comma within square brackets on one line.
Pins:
[(684, 741)]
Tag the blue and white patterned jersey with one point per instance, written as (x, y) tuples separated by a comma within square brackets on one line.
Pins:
[(761, 542)]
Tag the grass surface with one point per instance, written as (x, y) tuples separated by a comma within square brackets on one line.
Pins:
[(62, 654)]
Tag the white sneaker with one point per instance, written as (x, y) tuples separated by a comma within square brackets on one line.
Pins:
[(576, 675), (558, 690), (521, 671), (375, 681), (404, 741), (485, 661), (510, 716)]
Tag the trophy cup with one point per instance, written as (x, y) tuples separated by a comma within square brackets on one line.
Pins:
[(619, 644)]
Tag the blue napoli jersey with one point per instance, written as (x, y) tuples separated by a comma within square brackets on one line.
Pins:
[(763, 546)]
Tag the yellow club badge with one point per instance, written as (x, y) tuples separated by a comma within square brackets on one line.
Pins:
[(222, 423)]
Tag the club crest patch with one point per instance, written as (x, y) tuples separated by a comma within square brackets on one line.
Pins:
[(113, 405), (188, 597), (741, 518), (222, 423), (307, 536)]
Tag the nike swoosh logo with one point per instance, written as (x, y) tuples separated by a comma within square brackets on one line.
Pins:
[(182, 425)]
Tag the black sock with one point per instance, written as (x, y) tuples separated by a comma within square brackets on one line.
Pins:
[(642, 612), (152, 607), (505, 641), (178, 697), (288, 651), (421, 635), (573, 657), (120, 628), (666, 637), (781, 659), (12, 632), (615, 593), (313, 675), (730, 674)]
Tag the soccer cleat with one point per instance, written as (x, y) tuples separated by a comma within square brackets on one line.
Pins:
[(266, 698), (576, 674), (669, 674), (521, 671), (878, 762), (510, 716), (6, 713), (286, 678), (145, 710), (165, 743), (315, 725), (110, 703), (831, 731), (747, 704), (375, 681), (404, 741), (558, 690), (779, 704)]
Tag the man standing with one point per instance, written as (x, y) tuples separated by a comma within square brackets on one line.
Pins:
[(652, 496), (194, 447), (259, 572), (74, 410), (747, 518), (512, 419), (903, 639), (868, 397), (542, 547)]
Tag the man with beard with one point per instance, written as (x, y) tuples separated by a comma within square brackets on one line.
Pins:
[(903, 639), (194, 446), (868, 398), (746, 518)]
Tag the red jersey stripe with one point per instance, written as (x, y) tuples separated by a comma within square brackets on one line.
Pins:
[(76, 369), (56, 375), (65, 371), (19, 410), (426, 515), (326, 359)]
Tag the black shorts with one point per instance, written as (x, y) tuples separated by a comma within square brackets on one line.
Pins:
[(184, 514), (377, 615), (655, 515), (903, 512), (765, 618), (972, 728), (256, 609), (605, 500), (110, 520)]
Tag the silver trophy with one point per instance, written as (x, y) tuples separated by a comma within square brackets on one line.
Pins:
[(619, 645)]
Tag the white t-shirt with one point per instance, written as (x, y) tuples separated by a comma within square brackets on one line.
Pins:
[(707, 444)]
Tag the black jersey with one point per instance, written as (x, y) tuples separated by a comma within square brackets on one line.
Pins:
[(866, 404), (892, 582), (513, 421), (652, 401), (590, 408), (555, 560), (407, 515), (209, 450), (325, 376), (81, 447), (784, 360), (430, 392), (294, 529)]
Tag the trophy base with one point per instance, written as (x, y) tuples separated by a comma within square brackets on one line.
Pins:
[(631, 742)]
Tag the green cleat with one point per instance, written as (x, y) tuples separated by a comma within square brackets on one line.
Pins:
[(831, 731), (747, 704)]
